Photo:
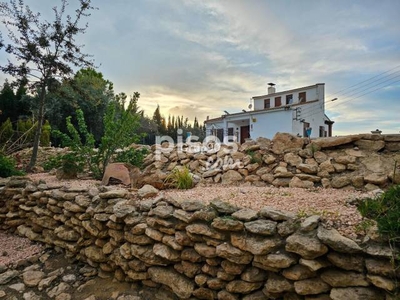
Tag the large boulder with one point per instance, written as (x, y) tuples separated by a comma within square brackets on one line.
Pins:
[(329, 142), (283, 142)]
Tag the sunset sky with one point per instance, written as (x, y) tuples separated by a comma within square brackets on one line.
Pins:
[(199, 58)]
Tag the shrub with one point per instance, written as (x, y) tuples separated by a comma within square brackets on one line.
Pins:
[(132, 156), (255, 157), (7, 167), (180, 178), (385, 210), (53, 162)]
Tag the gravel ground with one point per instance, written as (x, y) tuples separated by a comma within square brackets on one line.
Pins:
[(14, 249)]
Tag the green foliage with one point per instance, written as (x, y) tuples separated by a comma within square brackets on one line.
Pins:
[(45, 137), (120, 126), (53, 162), (180, 178), (132, 156), (81, 143), (7, 167), (6, 131), (385, 210), (255, 157)]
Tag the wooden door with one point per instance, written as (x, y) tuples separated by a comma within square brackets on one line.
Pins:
[(244, 133)]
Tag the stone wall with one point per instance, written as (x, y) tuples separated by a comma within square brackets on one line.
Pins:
[(363, 161), (199, 252)]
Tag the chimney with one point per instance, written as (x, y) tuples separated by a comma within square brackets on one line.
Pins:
[(271, 88)]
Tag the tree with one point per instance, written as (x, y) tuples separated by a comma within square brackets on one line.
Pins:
[(42, 51), (88, 91)]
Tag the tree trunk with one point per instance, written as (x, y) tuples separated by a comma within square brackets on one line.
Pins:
[(38, 132)]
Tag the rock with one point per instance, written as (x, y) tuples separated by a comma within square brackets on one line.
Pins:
[(192, 205), (262, 227), (147, 191), (223, 207), (313, 286), (369, 145), (382, 282), (94, 253), (242, 287), (335, 141), (336, 278), (256, 245), (2, 294), (275, 214), (120, 193), (180, 285), (123, 208), (308, 168), (380, 267), (233, 254), (253, 274), (231, 177), (340, 181), (211, 173), (298, 272), (282, 142), (246, 214), (227, 224), (31, 296), (204, 229), (296, 182), (274, 261), (8, 276), (320, 157), (278, 284), (346, 261), (18, 287), (377, 179), (314, 264), (310, 223), (337, 242), (32, 278), (356, 293), (292, 159), (281, 182), (166, 252), (306, 245)]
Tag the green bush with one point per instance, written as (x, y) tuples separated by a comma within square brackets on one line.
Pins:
[(7, 167), (385, 210), (132, 156), (180, 178), (53, 162)]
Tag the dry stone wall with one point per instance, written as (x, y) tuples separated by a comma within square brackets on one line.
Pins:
[(199, 252), (365, 161)]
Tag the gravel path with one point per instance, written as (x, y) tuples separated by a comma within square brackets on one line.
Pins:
[(14, 248)]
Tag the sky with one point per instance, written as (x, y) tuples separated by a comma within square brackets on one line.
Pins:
[(200, 58)]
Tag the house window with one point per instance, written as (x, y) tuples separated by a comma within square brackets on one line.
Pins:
[(278, 101), (289, 99), (231, 135), (267, 103), (302, 97)]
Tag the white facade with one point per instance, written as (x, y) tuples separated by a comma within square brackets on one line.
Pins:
[(291, 111)]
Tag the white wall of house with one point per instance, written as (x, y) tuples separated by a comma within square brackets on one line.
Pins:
[(268, 124), (315, 92), (312, 113)]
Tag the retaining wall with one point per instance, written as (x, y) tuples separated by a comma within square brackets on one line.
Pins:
[(197, 251)]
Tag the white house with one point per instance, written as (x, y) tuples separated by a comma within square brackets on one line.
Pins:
[(293, 111)]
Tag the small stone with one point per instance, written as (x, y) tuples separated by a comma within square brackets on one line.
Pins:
[(147, 191), (8, 276), (32, 278), (69, 278)]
